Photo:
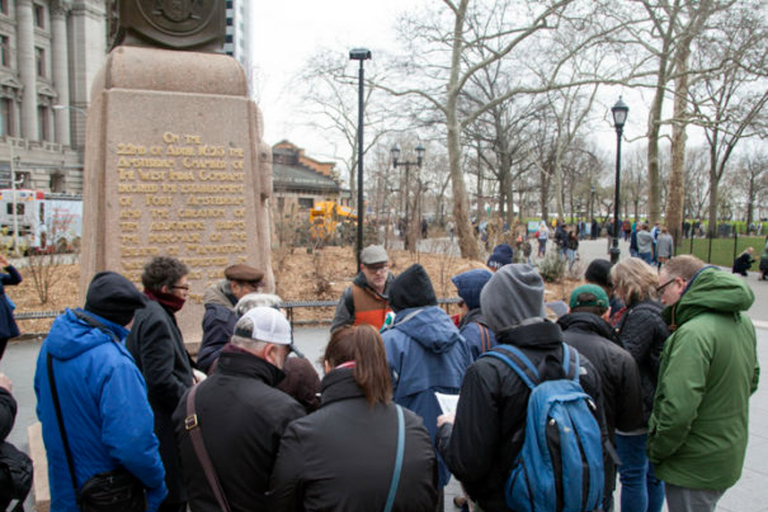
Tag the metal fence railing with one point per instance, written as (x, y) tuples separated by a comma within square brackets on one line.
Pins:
[(288, 306)]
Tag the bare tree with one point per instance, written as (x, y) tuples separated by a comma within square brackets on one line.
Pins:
[(696, 182), (446, 61), (729, 103)]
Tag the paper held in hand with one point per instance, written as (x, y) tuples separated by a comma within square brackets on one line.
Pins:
[(447, 403)]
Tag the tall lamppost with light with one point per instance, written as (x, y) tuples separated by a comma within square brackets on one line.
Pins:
[(619, 111), (396, 162), (360, 54)]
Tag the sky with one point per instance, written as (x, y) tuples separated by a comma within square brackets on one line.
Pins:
[(288, 32)]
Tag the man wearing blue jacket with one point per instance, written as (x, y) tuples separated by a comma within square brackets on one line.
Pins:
[(103, 397), (425, 351)]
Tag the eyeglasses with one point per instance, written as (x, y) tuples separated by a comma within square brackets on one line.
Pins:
[(660, 289), (377, 269), (184, 287)]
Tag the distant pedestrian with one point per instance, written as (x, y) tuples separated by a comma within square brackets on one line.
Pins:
[(542, 235), (743, 262), (343, 457), (644, 244), (709, 368), (642, 331), (107, 418), (764, 262), (157, 347), (664, 246), (571, 249), (8, 327), (594, 228)]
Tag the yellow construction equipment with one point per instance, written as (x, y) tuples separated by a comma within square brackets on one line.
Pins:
[(325, 217)]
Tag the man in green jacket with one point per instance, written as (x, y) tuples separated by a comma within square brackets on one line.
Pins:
[(698, 427)]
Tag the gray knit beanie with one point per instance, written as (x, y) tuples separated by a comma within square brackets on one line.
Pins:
[(515, 293)]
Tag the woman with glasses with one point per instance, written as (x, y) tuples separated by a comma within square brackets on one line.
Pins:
[(642, 331), (344, 456), (157, 347)]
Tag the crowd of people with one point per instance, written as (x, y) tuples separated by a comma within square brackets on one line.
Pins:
[(651, 369)]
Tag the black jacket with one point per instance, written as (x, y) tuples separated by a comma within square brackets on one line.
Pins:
[(242, 416), (642, 331), (622, 395), (218, 326), (341, 457), (7, 413), (157, 347), (489, 429)]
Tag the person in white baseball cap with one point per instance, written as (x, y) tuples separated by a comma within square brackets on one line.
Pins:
[(240, 415)]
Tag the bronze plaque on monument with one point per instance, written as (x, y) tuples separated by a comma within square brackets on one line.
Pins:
[(176, 24)]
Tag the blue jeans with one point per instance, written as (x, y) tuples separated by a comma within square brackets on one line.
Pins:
[(641, 491)]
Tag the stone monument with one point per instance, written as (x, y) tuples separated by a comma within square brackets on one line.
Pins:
[(174, 160)]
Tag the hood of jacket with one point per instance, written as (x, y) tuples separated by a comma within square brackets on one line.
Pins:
[(220, 293), (710, 289), (430, 326), (70, 336), (588, 322)]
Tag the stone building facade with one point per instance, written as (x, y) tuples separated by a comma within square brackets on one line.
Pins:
[(50, 52)]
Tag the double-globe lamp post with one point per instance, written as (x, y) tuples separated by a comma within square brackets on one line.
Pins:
[(360, 54), (619, 111), (395, 163)]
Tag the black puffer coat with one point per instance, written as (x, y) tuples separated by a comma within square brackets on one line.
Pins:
[(242, 416), (342, 457), (489, 429), (642, 331), (622, 394)]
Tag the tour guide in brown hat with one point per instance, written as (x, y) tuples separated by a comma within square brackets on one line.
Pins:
[(220, 299), (365, 302)]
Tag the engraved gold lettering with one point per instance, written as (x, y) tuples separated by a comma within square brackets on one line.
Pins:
[(151, 175), (158, 213), (125, 200), (130, 214), (138, 188), (129, 226), (158, 200), (126, 174)]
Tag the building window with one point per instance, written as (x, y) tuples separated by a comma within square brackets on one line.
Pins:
[(5, 51), (306, 202), (39, 16), (228, 38), (57, 183), (40, 61), (4, 7), (43, 124), (19, 208), (6, 123), (229, 21)]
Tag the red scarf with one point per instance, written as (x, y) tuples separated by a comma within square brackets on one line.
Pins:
[(168, 300)]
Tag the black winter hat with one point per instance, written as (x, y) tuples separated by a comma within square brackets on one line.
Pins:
[(412, 289), (598, 272), (113, 297)]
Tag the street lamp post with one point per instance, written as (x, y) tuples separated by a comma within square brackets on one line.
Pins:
[(360, 54), (397, 163), (619, 111)]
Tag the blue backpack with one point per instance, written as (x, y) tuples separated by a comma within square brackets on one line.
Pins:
[(560, 466)]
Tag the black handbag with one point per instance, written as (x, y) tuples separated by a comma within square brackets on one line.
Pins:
[(113, 491)]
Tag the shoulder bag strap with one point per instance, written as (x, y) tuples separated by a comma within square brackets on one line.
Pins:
[(60, 419), (485, 338), (398, 460), (192, 425)]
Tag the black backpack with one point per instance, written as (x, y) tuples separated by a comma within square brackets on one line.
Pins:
[(15, 476)]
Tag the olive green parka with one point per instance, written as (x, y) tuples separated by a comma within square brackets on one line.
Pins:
[(698, 427)]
